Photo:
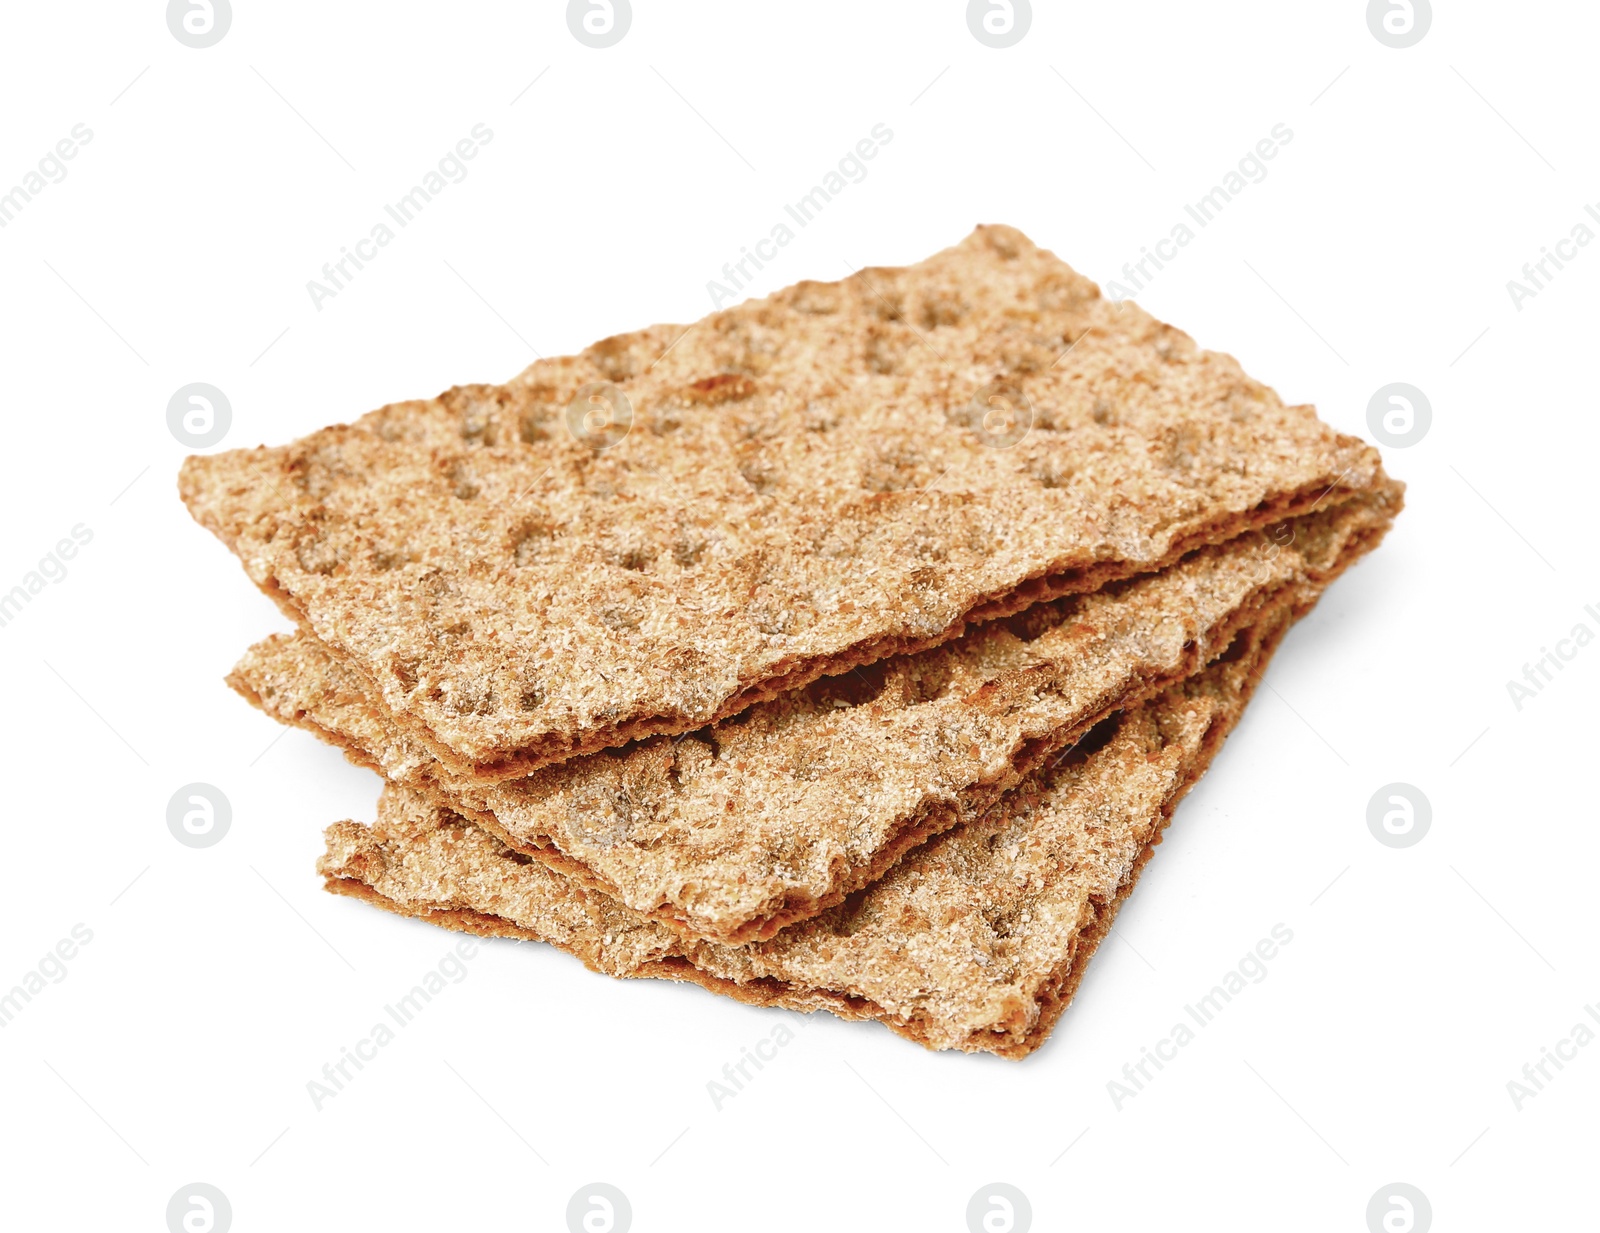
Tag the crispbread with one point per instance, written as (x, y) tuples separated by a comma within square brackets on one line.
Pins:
[(736, 831), (976, 941), (810, 485)]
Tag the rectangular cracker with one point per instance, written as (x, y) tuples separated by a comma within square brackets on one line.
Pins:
[(976, 941), (738, 830), (811, 482)]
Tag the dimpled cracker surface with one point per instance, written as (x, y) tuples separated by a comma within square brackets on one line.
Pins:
[(736, 830), (976, 941), (812, 481)]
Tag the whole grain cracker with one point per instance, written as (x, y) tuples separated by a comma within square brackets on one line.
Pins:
[(977, 941), (812, 481), (772, 816)]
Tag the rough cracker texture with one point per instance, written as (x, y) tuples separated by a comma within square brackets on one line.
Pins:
[(737, 830), (808, 485), (977, 941)]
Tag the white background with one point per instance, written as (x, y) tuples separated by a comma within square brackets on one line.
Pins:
[(218, 982)]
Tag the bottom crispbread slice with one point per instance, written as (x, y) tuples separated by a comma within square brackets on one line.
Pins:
[(976, 941)]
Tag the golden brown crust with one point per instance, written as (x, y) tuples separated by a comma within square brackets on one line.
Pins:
[(741, 829), (977, 941), (807, 488)]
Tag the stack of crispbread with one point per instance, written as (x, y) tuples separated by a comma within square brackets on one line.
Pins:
[(849, 649)]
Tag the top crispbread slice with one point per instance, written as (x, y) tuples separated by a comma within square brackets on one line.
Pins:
[(769, 817), (811, 482), (977, 941)]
